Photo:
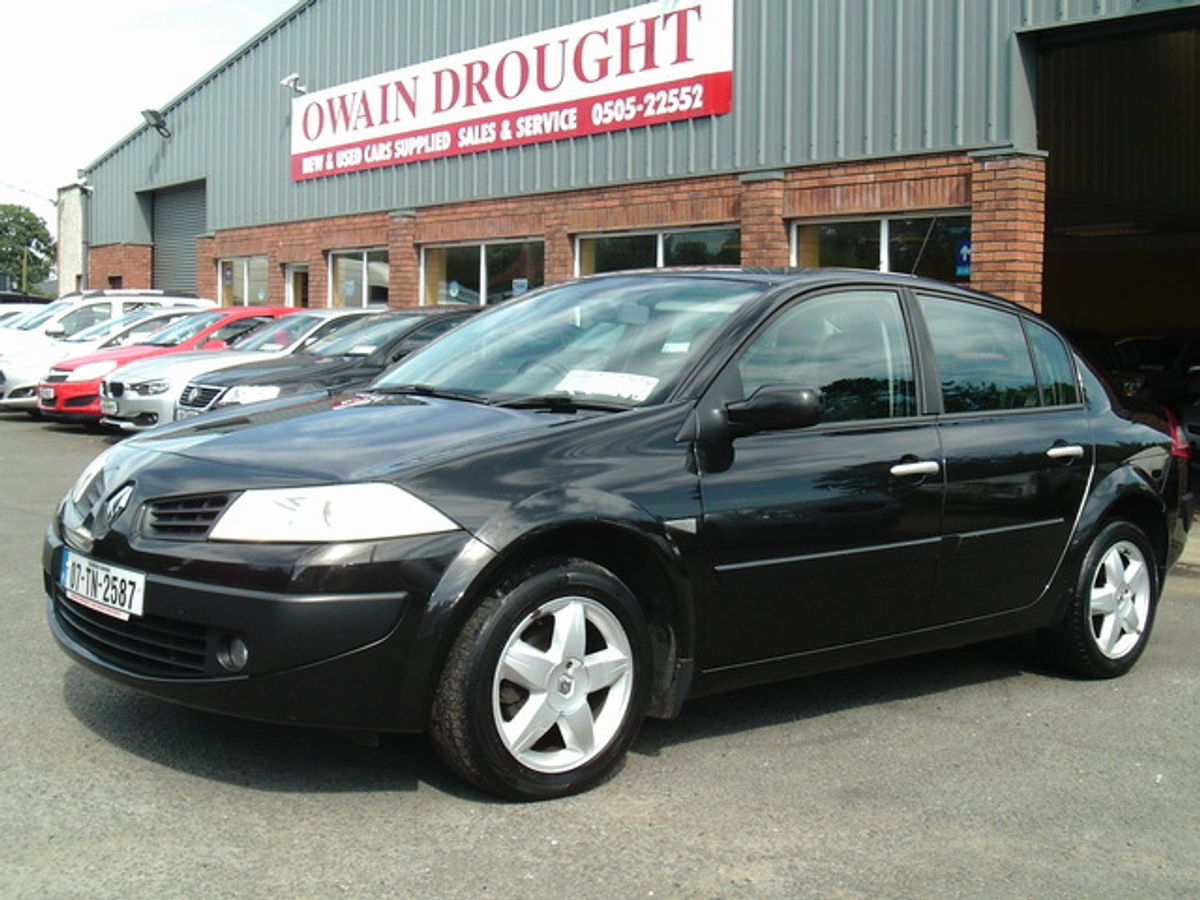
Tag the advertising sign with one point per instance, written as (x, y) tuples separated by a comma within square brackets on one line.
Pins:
[(659, 62)]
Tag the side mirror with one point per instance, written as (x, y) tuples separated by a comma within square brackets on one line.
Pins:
[(55, 330), (214, 345), (776, 407)]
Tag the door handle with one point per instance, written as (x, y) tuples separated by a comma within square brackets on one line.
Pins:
[(1065, 451), (922, 467)]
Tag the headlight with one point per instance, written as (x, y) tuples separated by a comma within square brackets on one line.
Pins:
[(249, 393), (149, 388), (92, 371), (328, 513)]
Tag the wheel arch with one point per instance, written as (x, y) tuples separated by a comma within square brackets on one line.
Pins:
[(1125, 495), (636, 549)]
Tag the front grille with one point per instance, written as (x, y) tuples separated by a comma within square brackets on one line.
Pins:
[(198, 397), (183, 518), (85, 400), (56, 377), (112, 388), (145, 645)]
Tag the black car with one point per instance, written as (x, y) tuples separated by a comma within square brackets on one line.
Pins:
[(353, 357), (591, 503)]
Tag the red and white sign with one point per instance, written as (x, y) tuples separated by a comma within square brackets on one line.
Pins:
[(660, 62)]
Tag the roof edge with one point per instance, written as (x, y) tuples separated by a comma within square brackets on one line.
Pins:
[(242, 49)]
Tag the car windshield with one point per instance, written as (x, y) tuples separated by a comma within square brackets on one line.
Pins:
[(16, 319), (364, 338), (619, 341), (278, 335), (185, 329), (41, 316), (108, 328)]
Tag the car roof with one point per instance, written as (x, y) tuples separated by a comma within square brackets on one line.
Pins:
[(785, 276), (442, 310)]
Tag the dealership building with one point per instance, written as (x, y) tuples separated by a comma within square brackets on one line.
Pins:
[(363, 152)]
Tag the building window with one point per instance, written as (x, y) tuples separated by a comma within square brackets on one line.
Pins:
[(934, 245), (358, 278), (648, 250), (478, 274), (242, 281)]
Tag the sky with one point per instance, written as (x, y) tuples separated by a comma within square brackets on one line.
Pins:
[(75, 75)]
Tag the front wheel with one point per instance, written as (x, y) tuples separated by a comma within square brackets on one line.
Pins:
[(547, 684), (1108, 622)]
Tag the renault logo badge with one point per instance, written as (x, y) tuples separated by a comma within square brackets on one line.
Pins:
[(116, 503)]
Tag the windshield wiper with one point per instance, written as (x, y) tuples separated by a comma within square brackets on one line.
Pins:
[(561, 402), (428, 390)]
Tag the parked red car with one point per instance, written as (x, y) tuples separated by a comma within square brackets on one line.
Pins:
[(71, 390)]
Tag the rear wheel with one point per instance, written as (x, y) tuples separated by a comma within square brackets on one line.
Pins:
[(547, 684), (1108, 622)]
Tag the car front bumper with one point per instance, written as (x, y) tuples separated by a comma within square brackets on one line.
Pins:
[(334, 659), (135, 412), (79, 400)]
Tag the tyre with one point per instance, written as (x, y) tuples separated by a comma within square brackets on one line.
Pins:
[(1107, 624), (546, 685)]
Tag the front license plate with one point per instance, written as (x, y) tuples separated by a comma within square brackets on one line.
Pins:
[(108, 589), (181, 414), (47, 395), (108, 407)]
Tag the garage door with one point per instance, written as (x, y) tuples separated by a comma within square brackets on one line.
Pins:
[(179, 219)]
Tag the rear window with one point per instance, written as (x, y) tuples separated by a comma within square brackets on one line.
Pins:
[(982, 358)]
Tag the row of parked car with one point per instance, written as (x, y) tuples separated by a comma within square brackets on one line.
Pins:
[(135, 359), (586, 505)]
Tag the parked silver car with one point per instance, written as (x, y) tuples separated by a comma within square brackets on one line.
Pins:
[(143, 394), (21, 369)]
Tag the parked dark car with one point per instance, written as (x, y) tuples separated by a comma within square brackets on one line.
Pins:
[(594, 502), (351, 358), (1154, 367)]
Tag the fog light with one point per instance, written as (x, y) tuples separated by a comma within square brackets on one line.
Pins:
[(233, 654)]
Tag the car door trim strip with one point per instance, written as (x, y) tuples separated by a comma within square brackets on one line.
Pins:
[(984, 532), (805, 557)]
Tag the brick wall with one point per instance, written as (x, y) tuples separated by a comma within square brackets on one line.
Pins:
[(131, 263), (1008, 215), (1005, 195)]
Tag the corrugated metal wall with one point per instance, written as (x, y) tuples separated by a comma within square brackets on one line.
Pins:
[(814, 81), (1144, 148)]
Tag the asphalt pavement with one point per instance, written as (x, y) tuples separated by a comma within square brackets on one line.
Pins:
[(971, 773)]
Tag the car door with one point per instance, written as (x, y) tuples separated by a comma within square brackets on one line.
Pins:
[(1018, 455), (826, 535)]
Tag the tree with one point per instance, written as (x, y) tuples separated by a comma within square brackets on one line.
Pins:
[(26, 248)]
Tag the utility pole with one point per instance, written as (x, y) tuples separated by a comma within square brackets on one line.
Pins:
[(25, 271)]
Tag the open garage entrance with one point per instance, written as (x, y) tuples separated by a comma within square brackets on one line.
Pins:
[(1118, 109)]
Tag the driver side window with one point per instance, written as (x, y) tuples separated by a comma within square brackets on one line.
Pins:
[(851, 345)]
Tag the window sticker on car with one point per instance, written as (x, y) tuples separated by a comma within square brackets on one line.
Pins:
[(676, 347), (624, 385)]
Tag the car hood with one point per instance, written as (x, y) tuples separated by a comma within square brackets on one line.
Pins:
[(316, 439), (120, 355), (181, 366), (296, 368), (45, 355)]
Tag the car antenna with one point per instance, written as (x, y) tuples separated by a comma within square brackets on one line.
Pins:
[(921, 252)]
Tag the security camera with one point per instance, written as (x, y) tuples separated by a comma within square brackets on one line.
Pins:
[(293, 82)]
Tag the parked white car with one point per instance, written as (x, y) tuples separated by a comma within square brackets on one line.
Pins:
[(11, 313), (73, 313), (23, 368), (144, 393)]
